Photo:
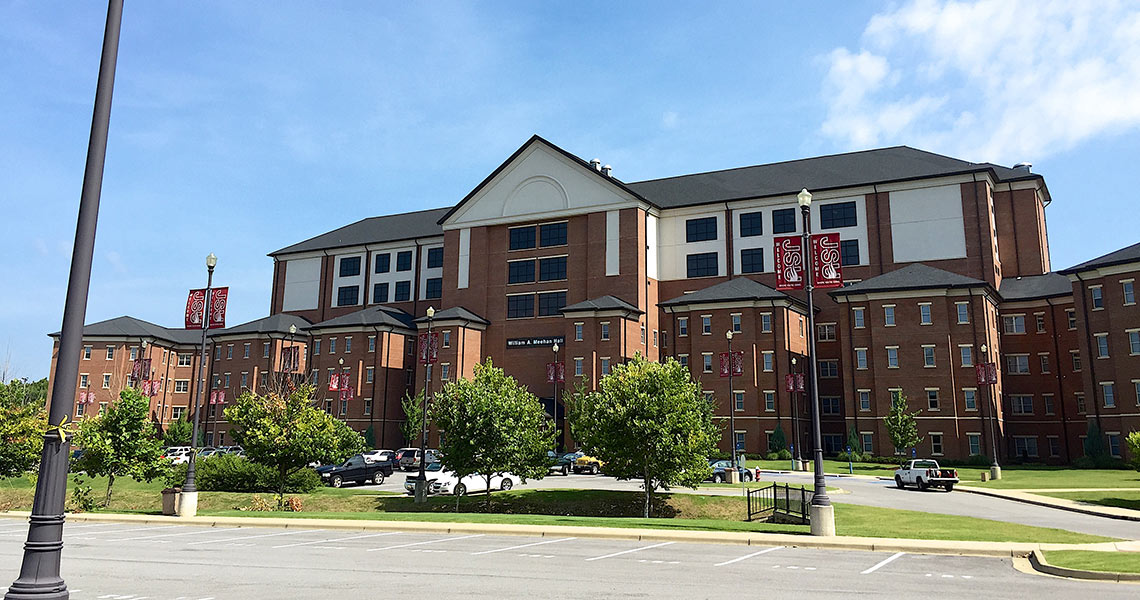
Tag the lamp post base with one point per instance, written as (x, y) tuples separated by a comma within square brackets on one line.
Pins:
[(822, 520), (50, 590), (187, 504), (995, 472), (421, 491), (733, 476)]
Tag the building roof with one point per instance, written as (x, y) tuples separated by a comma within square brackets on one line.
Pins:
[(455, 313), (1124, 255), (898, 163), (278, 323), (915, 276), (600, 303), (130, 327), (373, 316), (375, 230), (1034, 287), (736, 289)]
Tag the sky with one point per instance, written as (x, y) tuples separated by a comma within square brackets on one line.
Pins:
[(239, 128)]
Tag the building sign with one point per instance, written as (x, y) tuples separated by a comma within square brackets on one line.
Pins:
[(555, 372), (429, 348), (196, 302), (789, 263), (737, 362), (533, 342), (826, 271)]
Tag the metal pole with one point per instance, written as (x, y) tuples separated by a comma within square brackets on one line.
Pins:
[(731, 404), (820, 497), (421, 483), (189, 485), (39, 572)]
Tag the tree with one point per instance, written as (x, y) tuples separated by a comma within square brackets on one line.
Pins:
[(1133, 442), (647, 421), (23, 421), (901, 426), (178, 433), (1094, 443), (121, 442), (855, 444), (777, 441), (490, 425), (286, 433), (413, 418)]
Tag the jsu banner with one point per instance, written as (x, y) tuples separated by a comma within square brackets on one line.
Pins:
[(826, 271), (789, 263), (338, 382), (987, 373), (555, 372), (195, 308), (429, 348), (731, 363), (290, 359)]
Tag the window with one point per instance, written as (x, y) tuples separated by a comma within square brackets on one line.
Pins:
[(1097, 297), (928, 356), (739, 436), (217, 354), (706, 324), (605, 366), (765, 322), (735, 322), (769, 400), (936, 444), (1101, 345), (446, 338), (79, 409), (682, 326), (380, 292), (347, 295), (551, 303), (1076, 359), (839, 214), (106, 381), (229, 351), (552, 234), (861, 358), (889, 315), (825, 332), (1134, 342), (1129, 293), (372, 343), (605, 331), (382, 263), (177, 412), (1114, 444), (134, 353), (767, 359), (332, 345), (520, 306), (403, 291), (444, 371), (83, 380), (184, 359), (975, 441), (1050, 405), (858, 315), (182, 386), (578, 367), (1108, 394), (434, 258), (315, 376), (347, 344), (683, 359), (552, 269), (578, 332), (522, 238), (1054, 445), (1013, 323), (1044, 358), (1022, 404), (343, 407), (245, 351), (829, 405), (367, 406), (350, 266), (892, 357), (244, 380), (738, 400), (932, 399), (1071, 314), (87, 353), (1017, 364), (702, 265), (1136, 389), (970, 398), (864, 400), (963, 309), (700, 230), (520, 271), (369, 373), (784, 220), (924, 317), (265, 350), (829, 369), (752, 260), (404, 261), (433, 288), (967, 353), (751, 224), (867, 441), (849, 252), (1039, 320), (707, 362), (110, 353), (1025, 445), (317, 346)]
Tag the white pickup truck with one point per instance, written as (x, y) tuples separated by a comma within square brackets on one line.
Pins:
[(925, 473)]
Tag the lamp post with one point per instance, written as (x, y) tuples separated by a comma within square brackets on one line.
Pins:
[(822, 513), (796, 420), (995, 468), (188, 500), (562, 434), (731, 411), (421, 483)]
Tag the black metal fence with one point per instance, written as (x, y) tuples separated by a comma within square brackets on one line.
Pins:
[(784, 500)]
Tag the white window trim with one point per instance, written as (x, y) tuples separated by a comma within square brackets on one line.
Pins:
[(764, 395), (942, 442), (703, 355), (870, 403), (1103, 334), (931, 305), (684, 320), (703, 317), (936, 390), (1128, 333), (964, 405), (764, 362), (734, 393), (769, 319), (894, 314), (958, 321), (866, 357), (1133, 282), (1091, 306), (933, 355), (864, 310), (896, 349)]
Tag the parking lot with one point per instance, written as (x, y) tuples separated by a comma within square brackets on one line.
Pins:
[(125, 562)]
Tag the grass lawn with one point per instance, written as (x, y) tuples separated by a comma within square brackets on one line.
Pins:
[(1124, 499), (1114, 562)]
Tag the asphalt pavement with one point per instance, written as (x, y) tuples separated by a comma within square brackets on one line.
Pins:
[(152, 562)]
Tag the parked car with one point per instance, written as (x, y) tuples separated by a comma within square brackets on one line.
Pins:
[(561, 463), (400, 456), (721, 469), (588, 464), (356, 470), (925, 473), (447, 483), (431, 472), (410, 459), (177, 454), (382, 456)]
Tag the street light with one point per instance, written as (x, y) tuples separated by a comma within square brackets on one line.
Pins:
[(421, 483), (731, 409), (822, 513), (995, 468), (562, 434), (188, 500)]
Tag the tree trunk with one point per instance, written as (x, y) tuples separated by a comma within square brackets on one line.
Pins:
[(648, 494), (110, 482)]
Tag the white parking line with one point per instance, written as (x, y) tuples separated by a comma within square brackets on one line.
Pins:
[(250, 537), (523, 546), (462, 537), (125, 530), (747, 556), (150, 537), (355, 537), (883, 563), (629, 551)]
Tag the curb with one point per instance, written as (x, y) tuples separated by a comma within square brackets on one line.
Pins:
[(952, 548), (1071, 508), (1037, 560)]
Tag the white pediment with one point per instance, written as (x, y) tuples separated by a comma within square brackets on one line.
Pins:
[(543, 183)]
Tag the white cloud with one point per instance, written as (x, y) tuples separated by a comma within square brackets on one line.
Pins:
[(997, 80)]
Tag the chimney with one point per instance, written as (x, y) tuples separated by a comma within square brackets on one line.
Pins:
[(597, 164), (1025, 166), (606, 170)]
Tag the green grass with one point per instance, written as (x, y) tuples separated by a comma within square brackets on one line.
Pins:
[(1110, 562), (1120, 499)]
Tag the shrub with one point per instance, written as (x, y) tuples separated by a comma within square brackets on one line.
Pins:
[(231, 473), (1099, 462), (784, 454), (294, 504), (772, 456), (258, 504), (81, 498), (1133, 442)]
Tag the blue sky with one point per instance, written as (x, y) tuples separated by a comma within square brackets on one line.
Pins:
[(240, 128)]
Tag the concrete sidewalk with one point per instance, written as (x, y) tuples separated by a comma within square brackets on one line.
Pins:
[(1025, 496)]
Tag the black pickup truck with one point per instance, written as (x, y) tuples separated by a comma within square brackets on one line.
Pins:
[(356, 470)]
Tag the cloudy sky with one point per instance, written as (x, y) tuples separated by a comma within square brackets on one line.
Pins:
[(242, 127)]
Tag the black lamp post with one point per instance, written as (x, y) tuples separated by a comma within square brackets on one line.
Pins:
[(421, 483), (731, 409), (188, 500), (995, 468), (39, 572), (822, 514), (562, 434)]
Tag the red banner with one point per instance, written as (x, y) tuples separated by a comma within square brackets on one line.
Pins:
[(827, 270), (799, 382), (987, 373), (429, 348), (219, 297), (334, 382), (195, 302), (346, 392), (737, 362), (980, 371), (790, 382), (555, 372), (290, 359), (789, 263)]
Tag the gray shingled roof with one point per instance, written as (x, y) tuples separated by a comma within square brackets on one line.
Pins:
[(1124, 255), (736, 289), (373, 316), (606, 302), (898, 163), (374, 230), (130, 327), (911, 277), (456, 313), (1048, 285), (278, 323)]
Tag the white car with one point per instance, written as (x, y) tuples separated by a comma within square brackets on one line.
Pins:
[(448, 483), (178, 454), (380, 456)]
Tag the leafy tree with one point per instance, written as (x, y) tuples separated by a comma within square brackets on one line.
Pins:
[(647, 421), (286, 433), (855, 444), (24, 392), (121, 442), (1133, 442), (491, 425), (413, 418), (178, 433), (23, 421), (1094, 443), (901, 426), (777, 441)]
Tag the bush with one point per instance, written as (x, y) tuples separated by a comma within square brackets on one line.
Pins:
[(231, 473), (1099, 462), (1133, 443), (784, 454), (772, 456)]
